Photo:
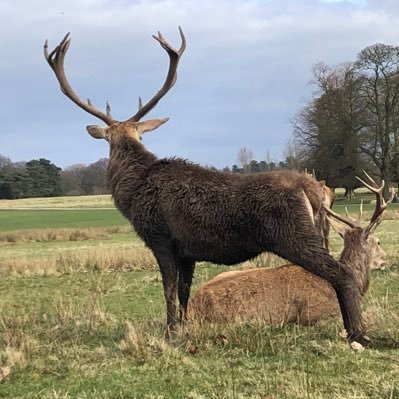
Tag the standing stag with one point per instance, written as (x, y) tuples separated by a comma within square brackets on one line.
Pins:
[(289, 293), (186, 213)]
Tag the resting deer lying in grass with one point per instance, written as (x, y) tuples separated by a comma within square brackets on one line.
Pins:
[(289, 293), (186, 213)]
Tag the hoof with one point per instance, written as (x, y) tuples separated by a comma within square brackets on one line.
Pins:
[(362, 339)]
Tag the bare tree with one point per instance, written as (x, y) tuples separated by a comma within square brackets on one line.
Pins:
[(244, 157), (4, 162), (328, 127), (94, 178), (71, 179), (294, 156), (378, 71)]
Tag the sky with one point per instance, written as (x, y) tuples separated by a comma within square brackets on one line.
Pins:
[(245, 73)]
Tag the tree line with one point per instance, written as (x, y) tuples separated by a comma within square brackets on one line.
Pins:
[(41, 178), (247, 163)]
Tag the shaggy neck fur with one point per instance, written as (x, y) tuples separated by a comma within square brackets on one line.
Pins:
[(355, 256), (128, 163)]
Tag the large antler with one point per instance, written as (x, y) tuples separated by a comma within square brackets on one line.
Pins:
[(381, 205), (174, 57), (56, 61), (352, 224)]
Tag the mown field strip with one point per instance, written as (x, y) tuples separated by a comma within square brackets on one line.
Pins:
[(60, 218), (84, 201)]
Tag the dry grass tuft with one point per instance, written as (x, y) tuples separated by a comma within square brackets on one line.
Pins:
[(74, 316), (98, 259), (17, 345), (19, 267), (52, 235), (77, 202), (382, 316), (265, 259), (142, 345), (15, 338), (4, 373), (107, 260)]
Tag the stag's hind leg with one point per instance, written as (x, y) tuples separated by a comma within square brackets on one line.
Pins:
[(308, 252)]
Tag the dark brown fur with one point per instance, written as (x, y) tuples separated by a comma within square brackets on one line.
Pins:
[(185, 213)]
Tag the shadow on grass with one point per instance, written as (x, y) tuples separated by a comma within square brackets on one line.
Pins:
[(383, 343)]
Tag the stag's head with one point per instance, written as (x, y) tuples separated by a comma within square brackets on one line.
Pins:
[(361, 247), (362, 240), (115, 130)]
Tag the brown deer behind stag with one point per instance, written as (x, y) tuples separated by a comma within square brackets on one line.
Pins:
[(185, 213), (289, 293)]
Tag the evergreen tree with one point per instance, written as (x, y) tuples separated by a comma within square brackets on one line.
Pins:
[(43, 179)]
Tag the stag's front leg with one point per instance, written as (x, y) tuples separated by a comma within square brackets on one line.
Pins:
[(168, 270), (186, 271), (349, 301), (341, 278), (308, 252)]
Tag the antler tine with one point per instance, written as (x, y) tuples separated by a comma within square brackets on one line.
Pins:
[(361, 209), (352, 219), (335, 215), (56, 61), (376, 190), (370, 178), (108, 108), (174, 57), (380, 202)]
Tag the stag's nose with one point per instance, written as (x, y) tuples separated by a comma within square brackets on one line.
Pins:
[(383, 260)]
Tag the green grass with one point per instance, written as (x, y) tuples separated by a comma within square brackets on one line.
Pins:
[(81, 333), (41, 219), (71, 328)]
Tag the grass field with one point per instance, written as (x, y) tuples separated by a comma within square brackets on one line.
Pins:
[(82, 316), (12, 219)]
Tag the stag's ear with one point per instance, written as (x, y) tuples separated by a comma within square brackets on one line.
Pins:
[(339, 228), (149, 125), (97, 132)]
